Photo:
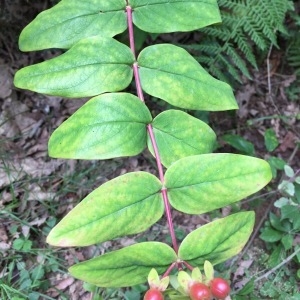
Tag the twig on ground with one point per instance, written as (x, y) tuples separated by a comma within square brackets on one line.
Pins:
[(285, 261)]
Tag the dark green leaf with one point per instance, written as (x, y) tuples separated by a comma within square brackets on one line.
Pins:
[(297, 193), (218, 240), (247, 289), (292, 213), (276, 164), (70, 21), (239, 143), (169, 16), (172, 74), (125, 267), (271, 141), (125, 205), (275, 222), (179, 135), (202, 183), (287, 241), (276, 256), (107, 126), (270, 235), (81, 71)]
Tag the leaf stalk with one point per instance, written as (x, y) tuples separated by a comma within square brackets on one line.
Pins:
[(150, 131)]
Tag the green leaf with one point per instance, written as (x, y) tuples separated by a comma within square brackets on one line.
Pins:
[(276, 256), (297, 192), (275, 222), (107, 126), (239, 143), (270, 235), (197, 275), (292, 213), (72, 20), (208, 270), (179, 135), (271, 140), (22, 244), (125, 205), (247, 289), (286, 187), (125, 267), (287, 242), (153, 278), (289, 171), (160, 16), (184, 280), (281, 202), (202, 183), (218, 240), (172, 74), (81, 71), (276, 164)]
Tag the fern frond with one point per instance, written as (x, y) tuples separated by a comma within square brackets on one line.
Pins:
[(237, 59), (294, 53), (244, 45), (246, 24)]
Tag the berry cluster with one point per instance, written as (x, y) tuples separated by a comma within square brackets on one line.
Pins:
[(217, 288), (194, 286)]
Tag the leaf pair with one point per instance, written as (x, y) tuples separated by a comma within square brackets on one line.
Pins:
[(83, 72), (132, 202), (115, 124), (131, 265), (72, 20)]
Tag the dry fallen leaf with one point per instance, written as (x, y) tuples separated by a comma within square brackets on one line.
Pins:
[(61, 286)]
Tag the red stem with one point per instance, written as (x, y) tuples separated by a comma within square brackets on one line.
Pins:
[(150, 132), (169, 269), (188, 265)]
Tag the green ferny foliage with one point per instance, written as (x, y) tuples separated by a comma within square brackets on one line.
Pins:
[(113, 123)]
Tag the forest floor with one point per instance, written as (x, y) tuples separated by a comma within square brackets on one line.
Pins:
[(37, 191)]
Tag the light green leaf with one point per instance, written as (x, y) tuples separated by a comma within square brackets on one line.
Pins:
[(289, 171), (172, 74), (72, 20), (160, 16), (107, 126), (81, 71), (184, 280), (179, 135), (208, 270), (125, 205), (287, 187), (153, 278), (218, 240), (125, 267), (282, 201), (202, 183), (197, 275)]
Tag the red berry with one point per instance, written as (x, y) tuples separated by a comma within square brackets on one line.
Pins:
[(153, 294), (199, 291), (219, 288)]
